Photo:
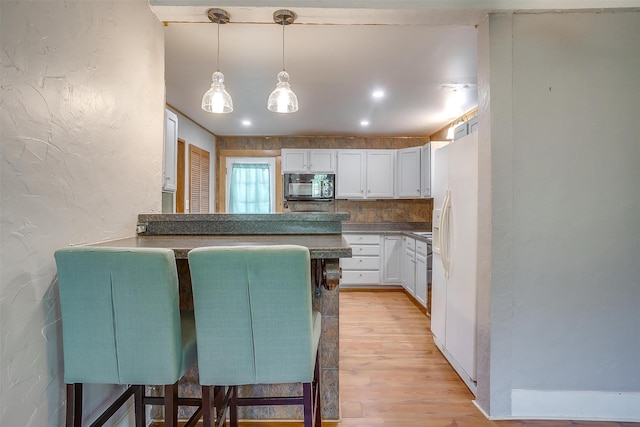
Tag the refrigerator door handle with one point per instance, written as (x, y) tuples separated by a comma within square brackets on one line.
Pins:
[(445, 231)]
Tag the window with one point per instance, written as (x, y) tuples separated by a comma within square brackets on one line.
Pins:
[(250, 185)]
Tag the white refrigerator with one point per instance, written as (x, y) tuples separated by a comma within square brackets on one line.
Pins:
[(455, 248)]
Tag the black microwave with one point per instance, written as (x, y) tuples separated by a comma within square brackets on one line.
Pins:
[(308, 186)]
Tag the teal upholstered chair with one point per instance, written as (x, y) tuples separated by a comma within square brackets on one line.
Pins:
[(255, 324), (121, 324)]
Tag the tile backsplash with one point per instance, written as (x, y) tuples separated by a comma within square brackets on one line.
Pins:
[(382, 210), (361, 211), (396, 210)]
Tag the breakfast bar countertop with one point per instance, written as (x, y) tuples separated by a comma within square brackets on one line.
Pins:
[(321, 233), (320, 245)]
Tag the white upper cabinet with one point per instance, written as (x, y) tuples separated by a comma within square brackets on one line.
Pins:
[(294, 161), (425, 171), (351, 174), (381, 173), (170, 165), (308, 161), (408, 176), (365, 174), (322, 161)]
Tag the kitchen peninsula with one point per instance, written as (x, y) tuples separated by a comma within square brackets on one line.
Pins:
[(321, 233)]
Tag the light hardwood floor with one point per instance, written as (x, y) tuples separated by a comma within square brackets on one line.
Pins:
[(392, 374)]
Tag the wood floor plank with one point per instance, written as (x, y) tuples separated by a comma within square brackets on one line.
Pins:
[(393, 375)]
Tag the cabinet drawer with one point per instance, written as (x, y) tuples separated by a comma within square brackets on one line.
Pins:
[(361, 263), (421, 247), (410, 243), (360, 277), (373, 250), (362, 239)]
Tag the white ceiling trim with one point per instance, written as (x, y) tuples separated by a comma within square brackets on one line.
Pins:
[(372, 12)]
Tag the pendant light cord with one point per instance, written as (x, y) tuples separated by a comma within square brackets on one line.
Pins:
[(283, 45), (218, 51)]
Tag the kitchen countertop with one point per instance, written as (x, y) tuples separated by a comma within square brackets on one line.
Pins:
[(406, 228), (297, 223), (325, 246)]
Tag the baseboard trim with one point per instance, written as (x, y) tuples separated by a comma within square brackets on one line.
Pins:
[(417, 303), (371, 288), (462, 374), (575, 405)]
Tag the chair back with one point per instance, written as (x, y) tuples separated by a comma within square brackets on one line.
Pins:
[(120, 315), (253, 314)]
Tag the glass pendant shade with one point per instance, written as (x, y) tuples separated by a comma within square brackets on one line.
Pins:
[(217, 99), (282, 99)]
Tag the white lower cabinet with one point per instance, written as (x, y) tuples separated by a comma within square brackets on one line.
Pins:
[(409, 265), (414, 268), (421, 272), (387, 259), (363, 268), (392, 260)]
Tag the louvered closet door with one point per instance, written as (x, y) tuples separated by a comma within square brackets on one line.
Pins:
[(198, 180)]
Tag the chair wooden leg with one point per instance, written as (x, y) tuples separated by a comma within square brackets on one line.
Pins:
[(74, 405), (307, 395), (206, 405), (139, 408), (171, 405), (218, 404), (69, 412), (316, 393), (233, 407), (77, 404)]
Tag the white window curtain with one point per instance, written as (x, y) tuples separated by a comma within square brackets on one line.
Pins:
[(250, 188)]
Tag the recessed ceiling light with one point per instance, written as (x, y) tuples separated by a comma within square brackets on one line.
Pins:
[(379, 93), (364, 123), (246, 122)]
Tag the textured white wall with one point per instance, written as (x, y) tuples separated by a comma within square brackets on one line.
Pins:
[(560, 333), (81, 155)]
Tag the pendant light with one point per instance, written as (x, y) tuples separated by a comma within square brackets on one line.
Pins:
[(217, 99), (282, 99)]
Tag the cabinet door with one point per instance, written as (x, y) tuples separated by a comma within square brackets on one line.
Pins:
[(428, 170), (380, 176), (294, 161), (421, 279), (350, 174), (425, 171), (409, 269), (391, 266), (170, 164), (408, 181), (322, 161)]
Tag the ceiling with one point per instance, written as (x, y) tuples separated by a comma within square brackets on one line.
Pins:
[(421, 53), (425, 63)]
